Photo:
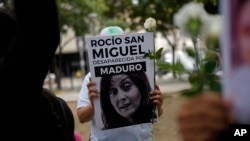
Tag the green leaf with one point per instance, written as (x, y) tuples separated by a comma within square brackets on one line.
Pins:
[(194, 78), (211, 55), (215, 86), (192, 91), (153, 55), (164, 66), (190, 52), (149, 55), (209, 66), (212, 42), (197, 85), (179, 67), (158, 54)]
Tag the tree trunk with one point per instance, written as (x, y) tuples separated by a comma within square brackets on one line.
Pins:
[(58, 69), (173, 46)]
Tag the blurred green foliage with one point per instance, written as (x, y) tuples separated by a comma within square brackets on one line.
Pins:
[(202, 79), (75, 14)]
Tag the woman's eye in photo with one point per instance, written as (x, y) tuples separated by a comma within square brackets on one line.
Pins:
[(112, 91), (126, 86)]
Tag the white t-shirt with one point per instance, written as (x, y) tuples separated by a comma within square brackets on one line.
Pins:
[(139, 132)]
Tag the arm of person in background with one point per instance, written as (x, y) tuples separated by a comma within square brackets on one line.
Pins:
[(204, 118), (85, 106), (35, 42), (158, 99)]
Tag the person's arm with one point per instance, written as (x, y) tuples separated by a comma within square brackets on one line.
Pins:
[(204, 117), (158, 99), (85, 114), (85, 108)]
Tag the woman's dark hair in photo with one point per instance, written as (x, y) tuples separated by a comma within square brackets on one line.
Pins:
[(111, 118)]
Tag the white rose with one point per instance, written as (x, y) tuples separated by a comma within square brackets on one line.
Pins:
[(212, 26), (191, 10), (212, 32), (150, 23)]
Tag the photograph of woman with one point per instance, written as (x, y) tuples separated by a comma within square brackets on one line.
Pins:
[(125, 100), (238, 66)]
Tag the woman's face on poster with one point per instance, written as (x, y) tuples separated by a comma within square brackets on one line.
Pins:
[(244, 31), (124, 95)]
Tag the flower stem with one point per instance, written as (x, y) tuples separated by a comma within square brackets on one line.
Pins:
[(197, 59)]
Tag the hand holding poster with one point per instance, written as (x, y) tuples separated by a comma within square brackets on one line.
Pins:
[(236, 56), (124, 79)]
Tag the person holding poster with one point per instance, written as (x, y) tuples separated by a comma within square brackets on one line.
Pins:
[(86, 107)]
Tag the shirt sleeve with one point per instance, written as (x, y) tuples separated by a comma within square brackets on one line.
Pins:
[(83, 99)]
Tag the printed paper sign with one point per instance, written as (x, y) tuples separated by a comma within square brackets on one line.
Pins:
[(124, 78)]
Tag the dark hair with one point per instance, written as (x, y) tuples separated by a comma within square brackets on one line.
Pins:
[(57, 119), (7, 29), (111, 118)]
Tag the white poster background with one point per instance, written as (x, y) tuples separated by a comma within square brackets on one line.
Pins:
[(134, 39)]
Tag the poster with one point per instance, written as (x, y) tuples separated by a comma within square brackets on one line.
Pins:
[(236, 56), (124, 78)]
